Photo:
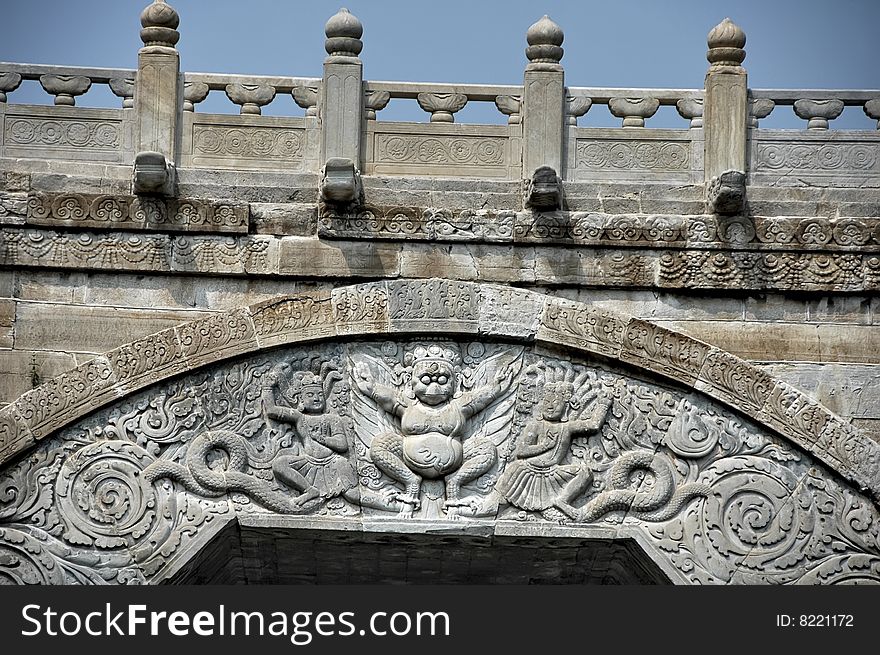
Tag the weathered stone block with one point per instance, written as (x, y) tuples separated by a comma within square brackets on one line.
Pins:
[(314, 258), (434, 305), (88, 329), (590, 329), (22, 370), (294, 319), (360, 309), (510, 312), (286, 219), (657, 349)]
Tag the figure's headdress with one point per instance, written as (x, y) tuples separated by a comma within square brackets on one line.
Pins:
[(309, 379), (433, 352)]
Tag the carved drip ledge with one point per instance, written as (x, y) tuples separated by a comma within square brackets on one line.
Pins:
[(604, 264), (482, 311)]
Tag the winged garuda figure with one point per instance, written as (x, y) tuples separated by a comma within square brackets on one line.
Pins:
[(428, 420)]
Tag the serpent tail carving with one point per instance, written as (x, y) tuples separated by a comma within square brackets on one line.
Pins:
[(660, 502)]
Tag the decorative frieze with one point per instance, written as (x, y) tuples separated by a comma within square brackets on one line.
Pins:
[(434, 150), (438, 434), (250, 143), (63, 133), (590, 228), (817, 158), (647, 155), (136, 212)]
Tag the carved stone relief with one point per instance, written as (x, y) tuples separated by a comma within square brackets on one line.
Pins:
[(133, 212), (428, 430)]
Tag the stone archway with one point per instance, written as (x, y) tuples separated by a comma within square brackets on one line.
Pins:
[(547, 419)]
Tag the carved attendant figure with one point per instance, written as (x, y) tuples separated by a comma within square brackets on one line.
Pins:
[(320, 470), (433, 424), (538, 480)]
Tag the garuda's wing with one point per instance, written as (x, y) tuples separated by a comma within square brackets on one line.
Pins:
[(370, 420), (494, 422)]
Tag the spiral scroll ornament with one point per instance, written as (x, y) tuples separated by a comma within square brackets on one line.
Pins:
[(103, 497)]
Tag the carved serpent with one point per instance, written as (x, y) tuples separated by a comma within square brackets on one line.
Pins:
[(199, 478), (662, 496)]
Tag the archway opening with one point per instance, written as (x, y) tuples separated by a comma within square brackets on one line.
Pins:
[(260, 555)]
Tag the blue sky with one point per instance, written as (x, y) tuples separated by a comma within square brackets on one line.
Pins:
[(631, 43)]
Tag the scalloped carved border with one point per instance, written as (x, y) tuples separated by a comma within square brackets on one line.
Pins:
[(398, 306)]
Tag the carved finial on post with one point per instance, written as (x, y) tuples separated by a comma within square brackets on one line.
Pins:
[(726, 42), (156, 97), (344, 32), (726, 119), (545, 45), (160, 22)]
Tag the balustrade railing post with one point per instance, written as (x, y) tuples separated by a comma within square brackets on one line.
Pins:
[(544, 118), (341, 110), (157, 100), (726, 118), (342, 96)]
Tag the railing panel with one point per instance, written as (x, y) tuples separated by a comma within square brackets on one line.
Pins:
[(74, 133), (249, 142), (598, 154), (479, 151), (805, 157)]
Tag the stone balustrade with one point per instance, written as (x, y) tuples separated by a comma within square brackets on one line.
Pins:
[(542, 118)]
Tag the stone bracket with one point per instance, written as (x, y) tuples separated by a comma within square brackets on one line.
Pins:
[(341, 186), (154, 174), (726, 193), (544, 191)]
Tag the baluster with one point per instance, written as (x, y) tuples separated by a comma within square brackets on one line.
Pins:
[(818, 112), (375, 101), (65, 87), (691, 109), (306, 97), (633, 111), (123, 88), (8, 82), (759, 108), (250, 96), (193, 94), (872, 109), (442, 105), (510, 106), (577, 106)]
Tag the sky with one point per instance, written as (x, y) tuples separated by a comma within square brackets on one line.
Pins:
[(613, 43)]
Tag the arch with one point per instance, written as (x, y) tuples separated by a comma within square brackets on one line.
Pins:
[(412, 309)]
